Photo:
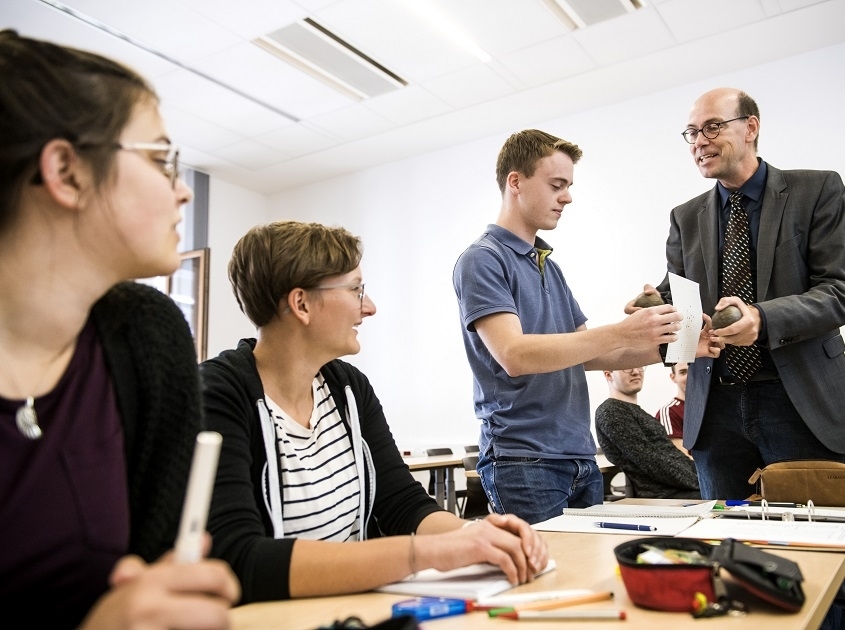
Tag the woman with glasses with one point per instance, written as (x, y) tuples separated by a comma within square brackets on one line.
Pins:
[(99, 395), (312, 496)]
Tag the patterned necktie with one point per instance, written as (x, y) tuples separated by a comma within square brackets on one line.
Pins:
[(743, 361)]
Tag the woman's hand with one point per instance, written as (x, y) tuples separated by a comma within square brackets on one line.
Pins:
[(166, 595), (502, 540)]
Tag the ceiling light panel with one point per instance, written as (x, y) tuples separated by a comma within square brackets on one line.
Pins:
[(313, 47)]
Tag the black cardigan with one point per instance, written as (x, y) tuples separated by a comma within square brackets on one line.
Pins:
[(238, 521)]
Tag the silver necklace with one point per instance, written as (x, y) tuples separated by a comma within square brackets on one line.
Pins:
[(26, 418)]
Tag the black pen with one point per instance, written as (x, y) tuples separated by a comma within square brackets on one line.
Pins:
[(631, 526)]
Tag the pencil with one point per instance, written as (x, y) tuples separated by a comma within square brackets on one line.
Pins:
[(551, 604), (564, 615), (565, 601)]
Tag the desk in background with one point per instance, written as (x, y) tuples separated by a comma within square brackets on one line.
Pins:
[(584, 561), (443, 467)]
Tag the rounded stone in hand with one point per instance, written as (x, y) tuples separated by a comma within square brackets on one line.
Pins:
[(647, 300), (725, 317)]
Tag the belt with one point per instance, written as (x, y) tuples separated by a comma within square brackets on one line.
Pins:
[(757, 378)]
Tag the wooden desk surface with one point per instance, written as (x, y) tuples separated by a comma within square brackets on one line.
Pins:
[(584, 561), (430, 462)]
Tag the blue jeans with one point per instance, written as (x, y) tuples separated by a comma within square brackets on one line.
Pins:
[(538, 489), (746, 427)]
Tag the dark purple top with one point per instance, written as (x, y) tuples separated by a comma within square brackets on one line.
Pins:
[(64, 509)]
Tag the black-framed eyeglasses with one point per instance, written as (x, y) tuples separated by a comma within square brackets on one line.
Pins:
[(358, 288), (168, 165), (710, 130)]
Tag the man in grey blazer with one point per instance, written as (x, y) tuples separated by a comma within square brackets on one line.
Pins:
[(793, 406)]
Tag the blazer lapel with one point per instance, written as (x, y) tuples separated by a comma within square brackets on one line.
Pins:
[(708, 228), (771, 215)]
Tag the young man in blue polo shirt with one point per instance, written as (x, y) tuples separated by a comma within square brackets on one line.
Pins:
[(528, 344)]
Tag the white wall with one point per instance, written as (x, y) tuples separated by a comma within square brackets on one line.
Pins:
[(416, 216), (232, 211)]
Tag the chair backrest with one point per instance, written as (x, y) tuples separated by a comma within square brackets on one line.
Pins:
[(431, 452), (471, 448), (476, 504)]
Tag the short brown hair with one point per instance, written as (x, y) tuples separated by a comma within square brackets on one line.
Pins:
[(747, 106), (524, 149), (49, 92), (273, 259)]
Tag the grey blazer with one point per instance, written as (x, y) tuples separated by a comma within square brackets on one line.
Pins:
[(800, 287)]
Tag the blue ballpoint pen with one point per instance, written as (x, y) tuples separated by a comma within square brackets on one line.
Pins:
[(636, 528)]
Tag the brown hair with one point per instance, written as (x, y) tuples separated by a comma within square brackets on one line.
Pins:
[(273, 259), (747, 106), (524, 149), (49, 91)]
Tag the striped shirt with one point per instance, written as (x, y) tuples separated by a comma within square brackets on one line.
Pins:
[(320, 489), (671, 416)]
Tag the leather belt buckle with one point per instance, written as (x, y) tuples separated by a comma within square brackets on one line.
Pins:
[(728, 380)]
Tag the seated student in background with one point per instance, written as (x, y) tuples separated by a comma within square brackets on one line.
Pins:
[(632, 440), (99, 391), (310, 478), (671, 415)]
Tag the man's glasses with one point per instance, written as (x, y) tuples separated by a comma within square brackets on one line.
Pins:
[(168, 164), (710, 130), (632, 370), (357, 288)]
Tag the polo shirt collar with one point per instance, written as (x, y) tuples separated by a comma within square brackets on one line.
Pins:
[(509, 239)]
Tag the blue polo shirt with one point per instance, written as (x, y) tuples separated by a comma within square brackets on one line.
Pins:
[(536, 415)]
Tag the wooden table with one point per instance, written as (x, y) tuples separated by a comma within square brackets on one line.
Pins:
[(443, 467), (584, 561)]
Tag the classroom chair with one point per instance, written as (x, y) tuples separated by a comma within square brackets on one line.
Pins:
[(475, 504), (460, 495)]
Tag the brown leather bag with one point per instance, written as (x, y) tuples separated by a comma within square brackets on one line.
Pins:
[(802, 480)]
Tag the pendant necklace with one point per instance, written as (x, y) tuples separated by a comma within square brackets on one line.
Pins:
[(26, 418)]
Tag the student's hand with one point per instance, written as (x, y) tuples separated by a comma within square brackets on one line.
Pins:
[(647, 290), (493, 541), (709, 345), (533, 544), (166, 595), (650, 327)]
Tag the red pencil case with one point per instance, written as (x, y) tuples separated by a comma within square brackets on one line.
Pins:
[(685, 587)]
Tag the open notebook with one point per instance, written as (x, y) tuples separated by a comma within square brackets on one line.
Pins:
[(474, 582), (667, 520)]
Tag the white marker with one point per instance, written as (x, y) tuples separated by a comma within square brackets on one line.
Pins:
[(198, 497)]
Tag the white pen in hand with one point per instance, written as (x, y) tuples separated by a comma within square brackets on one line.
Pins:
[(198, 497), (631, 526)]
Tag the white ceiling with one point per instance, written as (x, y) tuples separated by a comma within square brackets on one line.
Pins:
[(539, 70)]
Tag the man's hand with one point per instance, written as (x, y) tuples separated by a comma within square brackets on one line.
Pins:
[(744, 332)]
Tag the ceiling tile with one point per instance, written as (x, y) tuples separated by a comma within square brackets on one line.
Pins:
[(549, 61), (688, 22), (251, 155), (407, 105), (161, 24), (299, 139), (408, 46), (249, 18), (469, 86), (626, 37), (351, 123), (187, 129), (267, 78)]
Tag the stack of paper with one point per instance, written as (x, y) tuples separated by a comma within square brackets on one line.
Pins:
[(475, 582), (664, 520)]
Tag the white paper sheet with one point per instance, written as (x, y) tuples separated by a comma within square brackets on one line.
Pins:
[(474, 582), (778, 533), (687, 299)]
